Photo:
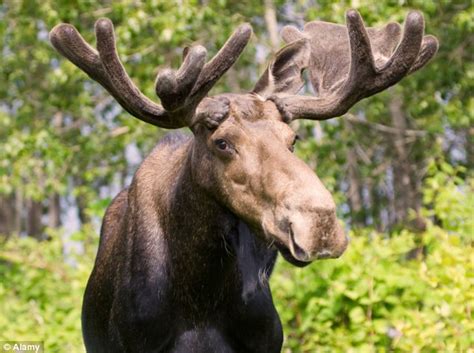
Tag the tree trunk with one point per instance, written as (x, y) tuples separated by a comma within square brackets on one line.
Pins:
[(272, 25), (7, 215), (19, 206), (11, 214), (404, 186), (54, 211), (355, 189), (34, 227), (81, 209)]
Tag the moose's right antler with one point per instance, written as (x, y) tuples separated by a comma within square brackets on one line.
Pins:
[(350, 63), (180, 92)]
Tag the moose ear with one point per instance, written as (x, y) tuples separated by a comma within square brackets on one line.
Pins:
[(284, 74)]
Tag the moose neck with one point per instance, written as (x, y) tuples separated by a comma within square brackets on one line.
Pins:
[(197, 230), (194, 249)]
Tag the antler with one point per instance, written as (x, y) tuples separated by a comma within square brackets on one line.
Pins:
[(350, 63), (180, 91)]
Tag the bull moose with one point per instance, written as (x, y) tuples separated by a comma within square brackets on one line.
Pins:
[(187, 249)]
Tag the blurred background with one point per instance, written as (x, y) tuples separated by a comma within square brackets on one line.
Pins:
[(399, 165)]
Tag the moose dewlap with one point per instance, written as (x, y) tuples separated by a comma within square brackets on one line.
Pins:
[(186, 251)]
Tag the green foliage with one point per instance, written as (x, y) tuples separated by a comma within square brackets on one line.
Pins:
[(40, 295), (450, 198)]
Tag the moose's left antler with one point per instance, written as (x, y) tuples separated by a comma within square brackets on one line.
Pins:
[(349, 63), (180, 91)]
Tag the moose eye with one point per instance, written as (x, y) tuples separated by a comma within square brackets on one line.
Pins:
[(297, 138), (221, 144), (292, 147)]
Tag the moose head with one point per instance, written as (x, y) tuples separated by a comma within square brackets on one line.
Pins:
[(241, 153)]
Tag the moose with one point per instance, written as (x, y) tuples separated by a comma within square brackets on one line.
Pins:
[(186, 250)]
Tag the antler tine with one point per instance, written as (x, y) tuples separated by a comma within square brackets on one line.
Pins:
[(406, 53), (362, 61), (223, 60), (429, 47), (340, 80)]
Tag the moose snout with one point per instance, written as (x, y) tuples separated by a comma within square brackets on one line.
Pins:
[(303, 221), (316, 235)]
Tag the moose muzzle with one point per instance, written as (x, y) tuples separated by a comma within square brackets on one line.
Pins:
[(307, 235), (303, 222), (315, 235)]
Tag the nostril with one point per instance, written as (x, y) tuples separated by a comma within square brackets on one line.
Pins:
[(295, 249)]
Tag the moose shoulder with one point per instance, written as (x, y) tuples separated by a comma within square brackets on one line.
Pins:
[(186, 251)]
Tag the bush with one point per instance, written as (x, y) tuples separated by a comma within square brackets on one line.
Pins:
[(41, 295)]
